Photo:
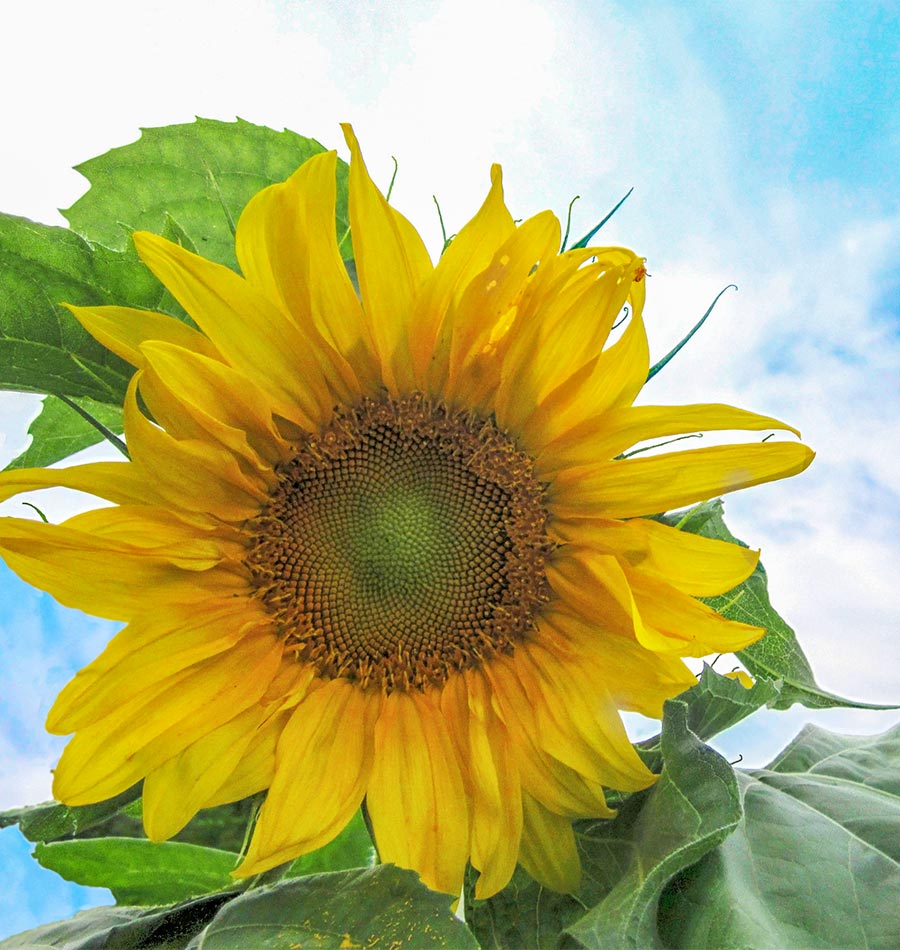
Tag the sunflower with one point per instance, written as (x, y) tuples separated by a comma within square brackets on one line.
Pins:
[(382, 547)]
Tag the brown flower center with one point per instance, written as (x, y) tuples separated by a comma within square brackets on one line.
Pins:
[(402, 544)]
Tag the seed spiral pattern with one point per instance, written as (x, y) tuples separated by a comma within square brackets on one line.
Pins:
[(403, 543)]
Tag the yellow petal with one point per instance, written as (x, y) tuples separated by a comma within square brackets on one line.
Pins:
[(594, 586), (146, 730), (155, 646), (225, 403), (469, 253), (578, 721), (124, 329), (701, 567), (190, 474), (256, 767), (548, 851), (474, 337), (322, 765), (613, 379), (178, 789), (119, 482), (637, 679), (391, 262), (678, 624), (606, 436), (496, 790), (742, 677), (286, 247), (160, 532), (251, 333), (416, 797), (565, 332), (641, 486), (103, 577)]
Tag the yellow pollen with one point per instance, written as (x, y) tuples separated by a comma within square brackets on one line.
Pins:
[(403, 543)]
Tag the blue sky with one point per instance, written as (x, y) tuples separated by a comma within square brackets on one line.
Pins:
[(763, 141)]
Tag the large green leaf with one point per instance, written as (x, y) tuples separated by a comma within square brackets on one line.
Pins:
[(815, 861), (123, 928), (60, 431), (629, 860), (373, 907), (200, 174), (138, 871), (352, 848), (51, 821), (715, 704), (777, 656), (43, 348)]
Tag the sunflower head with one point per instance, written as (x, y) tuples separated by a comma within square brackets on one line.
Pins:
[(385, 544)]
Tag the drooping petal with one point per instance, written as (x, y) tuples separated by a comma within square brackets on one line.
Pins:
[(329, 738), (637, 679), (629, 488), (678, 624), (179, 788), (148, 729), (256, 768), (423, 821), (578, 721), (559, 787), (103, 577), (701, 567), (495, 789), (548, 852)]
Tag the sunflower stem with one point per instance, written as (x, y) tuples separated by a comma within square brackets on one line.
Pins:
[(110, 436)]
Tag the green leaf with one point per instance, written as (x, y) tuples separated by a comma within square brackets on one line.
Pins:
[(43, 348), (352, 848), (815, 861), (199, 174), (715, 704), (777, 656), (59, 431), (123, 928), (138, 871), (372, 907), (51, 821), (629, 860)]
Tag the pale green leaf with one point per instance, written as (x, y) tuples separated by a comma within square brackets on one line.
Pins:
[(815, 861), (138, 871), (59, 431), (373, 907), (778, 655), (627, 861), (200, 175)]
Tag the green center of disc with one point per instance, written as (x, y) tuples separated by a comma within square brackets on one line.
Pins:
[(403, 543)]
